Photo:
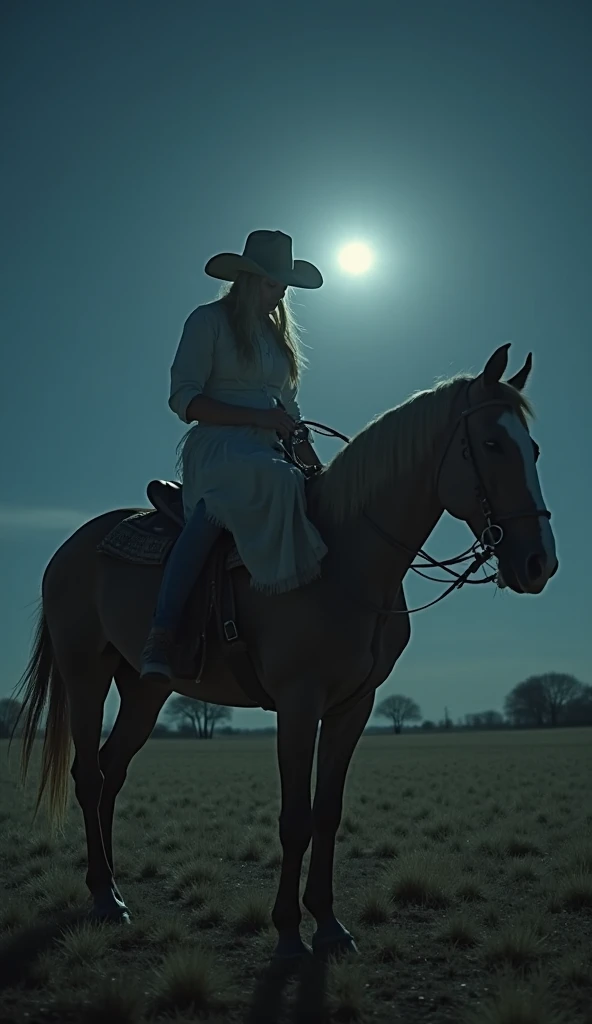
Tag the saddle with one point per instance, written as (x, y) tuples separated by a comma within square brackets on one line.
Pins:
[(146, 538)]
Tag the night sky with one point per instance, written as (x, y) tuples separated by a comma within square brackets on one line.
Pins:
[(140, 138)]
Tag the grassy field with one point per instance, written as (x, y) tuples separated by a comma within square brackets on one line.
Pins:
[(464, 869)]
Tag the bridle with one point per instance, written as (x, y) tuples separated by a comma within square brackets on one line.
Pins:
[(493, 534), (479, 553)]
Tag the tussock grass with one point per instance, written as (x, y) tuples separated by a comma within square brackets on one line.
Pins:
[(212, 915), (575, 969), (491, 916), (196, 872), (41, 847), (458, 930), (579, 856), (85, 944), (471, 889), (16, 914), (524, 869), (253, 850), (574, 892), (445, 886), (418, 878), (439, 830), (171, 844), (388, 945), (252, 916), (515, 1002), (187, 979), (274, 860), (386, 849), (375, 908), (346, 991), (492, 845), (521, 846), (59, 889), (516, 945), (196, 895), (349, 826), (151, 867)]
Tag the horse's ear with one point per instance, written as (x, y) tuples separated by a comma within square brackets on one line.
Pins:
[(519, 379), (496, 366)]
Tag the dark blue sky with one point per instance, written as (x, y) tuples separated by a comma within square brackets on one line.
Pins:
[(142, 137)]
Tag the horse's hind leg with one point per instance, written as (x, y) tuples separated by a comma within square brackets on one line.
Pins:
[(139, 708), (86, 700)]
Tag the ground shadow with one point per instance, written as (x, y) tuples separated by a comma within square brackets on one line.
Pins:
[(19, 951), (268, 1002)]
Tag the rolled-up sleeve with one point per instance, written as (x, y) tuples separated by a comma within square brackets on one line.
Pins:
[(290, 401), (193, 361)]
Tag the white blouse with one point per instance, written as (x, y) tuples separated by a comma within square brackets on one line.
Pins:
[(239, 472), (207, 362)]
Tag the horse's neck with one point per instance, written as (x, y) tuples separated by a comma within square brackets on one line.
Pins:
[(407, 514)]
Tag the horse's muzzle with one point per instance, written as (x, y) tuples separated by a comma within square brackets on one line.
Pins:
[(526, 573)]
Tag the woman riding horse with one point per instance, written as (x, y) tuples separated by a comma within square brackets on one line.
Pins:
[(236, 375)]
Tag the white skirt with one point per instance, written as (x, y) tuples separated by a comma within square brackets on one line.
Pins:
[(250, 489)]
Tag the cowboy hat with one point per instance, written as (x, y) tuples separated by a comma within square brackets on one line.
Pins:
[(269, 254)]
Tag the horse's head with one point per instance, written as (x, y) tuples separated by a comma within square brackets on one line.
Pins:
[(488, 477)]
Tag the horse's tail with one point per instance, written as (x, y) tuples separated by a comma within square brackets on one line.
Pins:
[(41, 680)]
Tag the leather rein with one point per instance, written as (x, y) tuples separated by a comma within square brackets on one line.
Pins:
[(478, 554)]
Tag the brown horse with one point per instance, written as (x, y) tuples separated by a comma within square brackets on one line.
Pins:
[(320, 651)]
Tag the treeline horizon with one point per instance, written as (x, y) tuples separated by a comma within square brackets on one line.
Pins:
[(547, 701)]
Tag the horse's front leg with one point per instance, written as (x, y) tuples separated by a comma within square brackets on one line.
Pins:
[(339, 736), (298, 715)]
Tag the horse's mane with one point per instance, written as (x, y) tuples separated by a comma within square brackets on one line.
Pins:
[(392, 445)]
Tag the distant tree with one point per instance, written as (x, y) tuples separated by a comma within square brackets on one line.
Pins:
[(9, 712), (428, 725), (484, 720), (578, 710), (399, 709), (186, 731), (542, 700), (560, 688), (526, 704), (197, 715)]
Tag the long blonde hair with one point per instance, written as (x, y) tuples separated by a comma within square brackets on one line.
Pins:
[(241, 299)]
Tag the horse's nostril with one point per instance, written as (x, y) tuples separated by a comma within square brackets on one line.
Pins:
[(534, 567)]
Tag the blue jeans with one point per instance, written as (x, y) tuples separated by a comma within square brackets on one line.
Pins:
[(183, 567)]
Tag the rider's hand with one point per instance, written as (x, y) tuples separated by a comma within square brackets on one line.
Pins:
[(274, 419)]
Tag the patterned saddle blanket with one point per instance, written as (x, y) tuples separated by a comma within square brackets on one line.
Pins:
[(147, 536)]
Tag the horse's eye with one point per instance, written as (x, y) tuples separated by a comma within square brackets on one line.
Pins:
[(494, 446)]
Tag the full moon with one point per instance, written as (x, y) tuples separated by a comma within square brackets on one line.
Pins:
[(356, 258)]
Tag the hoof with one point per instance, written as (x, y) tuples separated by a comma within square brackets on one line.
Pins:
[(291, 951), (109, 906), (335, 941)]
